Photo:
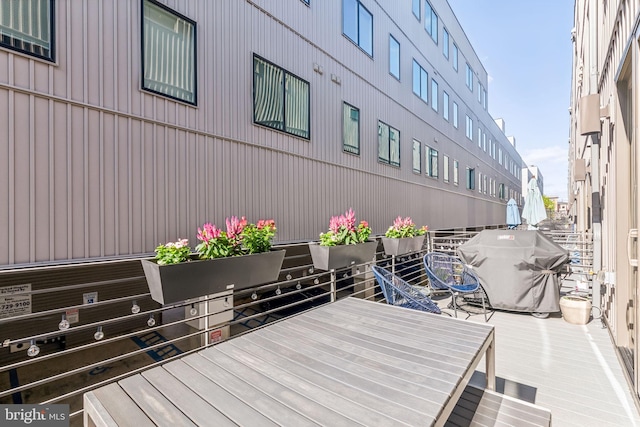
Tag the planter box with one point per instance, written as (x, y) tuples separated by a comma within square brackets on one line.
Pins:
[(334, 257), (575, 310), (403, 245), (177, 282)]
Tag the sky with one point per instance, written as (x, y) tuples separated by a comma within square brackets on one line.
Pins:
[(527, 51)]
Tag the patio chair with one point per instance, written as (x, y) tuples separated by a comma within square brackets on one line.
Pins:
[(449, 273), (400, 293)]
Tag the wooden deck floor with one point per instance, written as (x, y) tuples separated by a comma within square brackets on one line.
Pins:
[(570, 369)]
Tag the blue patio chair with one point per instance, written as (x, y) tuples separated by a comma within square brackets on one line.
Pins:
[(449, 273), (398, 292)]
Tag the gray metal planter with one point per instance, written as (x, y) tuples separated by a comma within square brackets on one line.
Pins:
[(334, 257), (177, 282), (403, 245)]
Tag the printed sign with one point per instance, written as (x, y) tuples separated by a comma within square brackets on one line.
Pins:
[(73, 315), (11, 303), (90, 298), (215, 336), (506, 237), (34, 415)]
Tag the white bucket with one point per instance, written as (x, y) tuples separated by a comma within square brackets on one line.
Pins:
[(575, 309)]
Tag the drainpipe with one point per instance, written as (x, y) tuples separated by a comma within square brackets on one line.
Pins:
[(596, 220)]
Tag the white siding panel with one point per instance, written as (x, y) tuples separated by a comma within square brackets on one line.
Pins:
[(6, 182)]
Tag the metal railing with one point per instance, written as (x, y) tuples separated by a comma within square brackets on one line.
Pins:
[(58, 351)]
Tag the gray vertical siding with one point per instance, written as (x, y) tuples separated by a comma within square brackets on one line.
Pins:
[(93, 166)]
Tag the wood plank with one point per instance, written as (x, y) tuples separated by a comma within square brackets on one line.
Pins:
[(120, 407), (206, 383), (157, 407), (319, 335), (263, 381), (181, 396), (339, 396)]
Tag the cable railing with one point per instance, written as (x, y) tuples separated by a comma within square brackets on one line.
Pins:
[(59, 349)]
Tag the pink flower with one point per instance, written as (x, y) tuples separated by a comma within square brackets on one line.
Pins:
[(235, 227), (364, 223), (208, 232), (350, 219)]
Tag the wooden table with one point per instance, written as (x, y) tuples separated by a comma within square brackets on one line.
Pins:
[(352, 362)]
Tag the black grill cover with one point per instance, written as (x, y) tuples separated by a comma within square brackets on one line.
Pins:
[(518, 269)]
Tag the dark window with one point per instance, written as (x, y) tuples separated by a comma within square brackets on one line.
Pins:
[(471, 179), (350, 129), (357, 24), (388, 144), (168, 52), (28, 26), (280, 99)]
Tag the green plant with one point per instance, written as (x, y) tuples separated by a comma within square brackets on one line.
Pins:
[(405, 228), (343, 231), (173, 252), (240, 238)]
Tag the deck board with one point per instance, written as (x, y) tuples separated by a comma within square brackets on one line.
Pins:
[(571, 369)]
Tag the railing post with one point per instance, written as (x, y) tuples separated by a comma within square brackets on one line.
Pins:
[(333, 285)]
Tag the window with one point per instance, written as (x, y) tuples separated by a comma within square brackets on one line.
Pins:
[(479, 136), (388, 144), (445, 43), (479, 92), (484, 184), (501, 191), (415, 7), (500, 155), (434, 95), (168, 52), (357, 24), (455, 172), (445, 168), (280, 99), (432, 162), (455, 115), (307, 1), (471, 179), (394, 57), (420, 81), (469, 77), (445, 105), (350, 129), (484, 98), (480, 182), (417, 156), (431, 21), (28, 26), (484, 142), (469, 127), (455, 57)]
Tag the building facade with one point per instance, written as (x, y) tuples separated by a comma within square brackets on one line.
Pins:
[(129, 123), (604, 162)]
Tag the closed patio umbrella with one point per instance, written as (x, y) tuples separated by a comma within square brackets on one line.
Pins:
[(513, 214), (533, 211)]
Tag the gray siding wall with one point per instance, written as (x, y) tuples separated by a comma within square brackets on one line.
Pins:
[(93, 166)]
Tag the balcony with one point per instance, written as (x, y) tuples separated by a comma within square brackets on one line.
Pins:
[(89, 333)]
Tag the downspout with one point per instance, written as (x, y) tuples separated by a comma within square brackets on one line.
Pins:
[(596, 220)]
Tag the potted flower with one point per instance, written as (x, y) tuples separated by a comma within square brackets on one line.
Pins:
[(236, 258), (403, 237), (344, 244)]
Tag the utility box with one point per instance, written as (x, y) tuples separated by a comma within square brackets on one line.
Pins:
[(220, 308), (590, 114)]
